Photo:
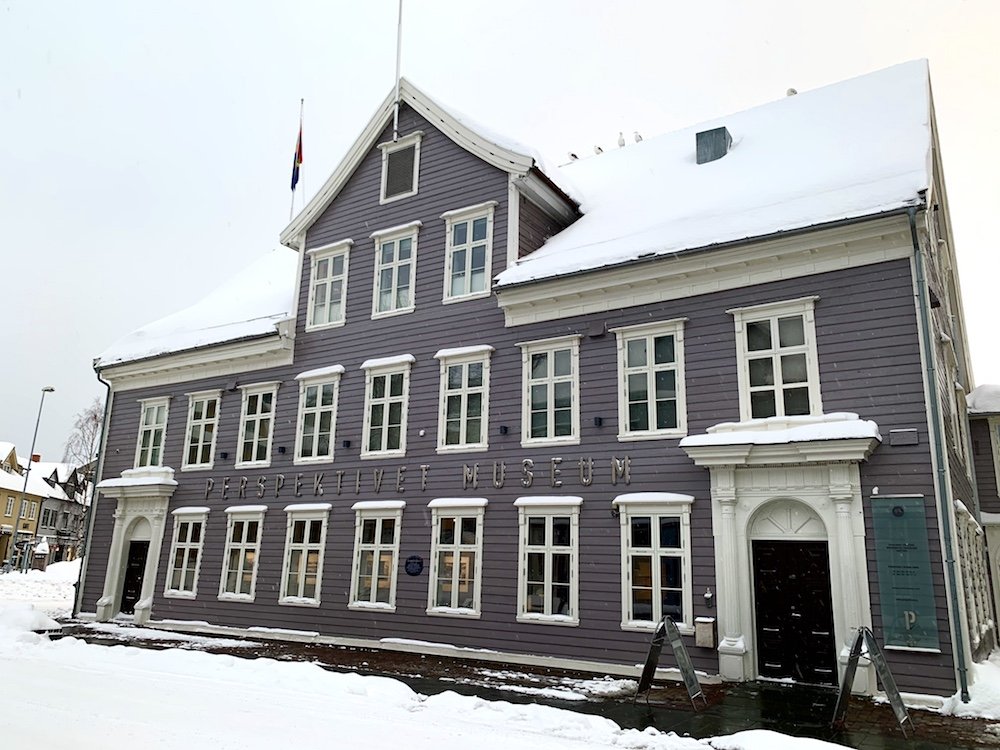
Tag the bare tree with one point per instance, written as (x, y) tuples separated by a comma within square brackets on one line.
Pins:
[(83, 442)]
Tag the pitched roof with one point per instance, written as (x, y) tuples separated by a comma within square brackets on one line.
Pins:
[(984, 399), (851, 149)]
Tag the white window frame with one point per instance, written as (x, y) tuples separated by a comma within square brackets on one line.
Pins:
[(550, 346), (33, 511), (650, 331), (186, 515), (395, 234), (467, 216), (256, 389), (24, 509), (193, 398), (994, 427), (144, 406), (235, 514), (463, 357), (308, 513), (412, 139), (317, 379), (548, 507), (10, 506), (457, 508), (386, 367), (804, 306), (316, 255), (655, 505), (376, 510)]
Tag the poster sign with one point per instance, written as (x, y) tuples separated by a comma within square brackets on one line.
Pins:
[(903, 562), (667, 631), (865, 637), (414, 565)]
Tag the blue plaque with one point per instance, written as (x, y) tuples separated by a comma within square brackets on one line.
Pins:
[(902, 557), (414, 565)]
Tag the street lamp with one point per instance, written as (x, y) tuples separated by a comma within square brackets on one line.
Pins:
[(27, 473)]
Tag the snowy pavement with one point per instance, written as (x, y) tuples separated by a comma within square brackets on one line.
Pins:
[(95, 696)]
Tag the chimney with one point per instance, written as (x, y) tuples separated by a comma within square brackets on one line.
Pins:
[(712, 144), (36, 458)]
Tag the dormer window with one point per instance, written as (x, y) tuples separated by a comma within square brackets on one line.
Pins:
[(400, 167)]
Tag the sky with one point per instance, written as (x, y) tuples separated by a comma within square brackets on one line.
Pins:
[(145, 148), (184, 698)]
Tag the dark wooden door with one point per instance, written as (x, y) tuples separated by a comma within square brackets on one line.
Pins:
[(794, 612), (134, 570)]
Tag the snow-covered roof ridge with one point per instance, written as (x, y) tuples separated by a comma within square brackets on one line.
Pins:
[(851, 149), (250, 304), (984, 399)]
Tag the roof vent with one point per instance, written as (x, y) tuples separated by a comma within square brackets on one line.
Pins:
[(713, 144)]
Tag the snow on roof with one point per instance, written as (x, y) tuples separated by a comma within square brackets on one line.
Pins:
[(248, 305), (782, 430), (37, 486), (855, 148), (984, 400)]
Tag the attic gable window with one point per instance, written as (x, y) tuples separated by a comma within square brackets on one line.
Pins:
[(400, 167)]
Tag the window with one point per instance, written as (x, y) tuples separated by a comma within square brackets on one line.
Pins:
[(548, 535), (651, 381), (469, 253), (10, 506), (256, 422), (387, 387), (318, 394), (33, 512), (776, 350), (463, 417), (456, 556), (152, 429), (376, 551), (185, 552), (550, 410), (400, 167), (24, 509), (395, 268), (305, 540), (328, 285), (656, 559), (203, 419), (239, 573)]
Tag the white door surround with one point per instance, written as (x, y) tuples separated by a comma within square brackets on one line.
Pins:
[(766, 484), (143, 496)]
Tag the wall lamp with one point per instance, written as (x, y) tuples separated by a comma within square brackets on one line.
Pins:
[(503, 429), (709, 598), (598, 421)]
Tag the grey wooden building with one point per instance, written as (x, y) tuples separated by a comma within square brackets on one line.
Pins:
[(485, 407)]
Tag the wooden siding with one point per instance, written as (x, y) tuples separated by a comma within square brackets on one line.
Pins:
[(982, 457), (869, 363), (534, 227)]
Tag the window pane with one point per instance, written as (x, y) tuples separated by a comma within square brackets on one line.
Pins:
[(672, 605), (796, 401), (539, 365), (563, 393), (793, 368), (663, 350), (666, 384), (455, 376), (468, 531), (638, 387), (378, 386), (396, 384), (642, 571), (791, 331), (536, 566), (460, 233), (762, 404), (536, 531), (563, 361), (539, 425), (642, 531), (539, 397), (447, 531), (368, 531), (642, 604), (638, 416), (670, 532), (560, 568), (315, 531), (475, 375), (479, 229), (635, 353), (388, 531), (759, 335), (298, 532), (666, 414), (474, 405), (563, 422), (561, 531), (761, 372)]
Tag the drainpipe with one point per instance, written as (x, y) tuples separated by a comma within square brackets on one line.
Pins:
[(944, 498), (90, 514)]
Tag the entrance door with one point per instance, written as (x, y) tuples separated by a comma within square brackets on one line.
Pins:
[(794, 611), (134, 569)]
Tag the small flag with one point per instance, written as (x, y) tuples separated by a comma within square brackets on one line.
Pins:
[(297, 161)]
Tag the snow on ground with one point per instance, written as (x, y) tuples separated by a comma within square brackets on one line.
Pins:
[(95, 696)]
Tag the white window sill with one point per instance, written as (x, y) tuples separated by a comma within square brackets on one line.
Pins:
[(555, 442), (324, 326), (313, 461), (887, 647), (462, 448), (465, 614), (466, 297), (384, 454), (629, 437), (372, 606), (170, 594), (297, 601), (198, 467), (235, 598), (564, 620), (252, 464), (647, 626), (393, 313)]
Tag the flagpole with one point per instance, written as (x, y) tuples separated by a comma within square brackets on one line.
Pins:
[(302, 109), (399, 48), (296, 165)]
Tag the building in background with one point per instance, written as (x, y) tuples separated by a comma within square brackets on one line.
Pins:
[(717, 376)]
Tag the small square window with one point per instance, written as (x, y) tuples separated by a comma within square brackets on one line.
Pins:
[(400, 167)]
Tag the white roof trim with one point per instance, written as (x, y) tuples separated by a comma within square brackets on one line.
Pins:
[(191, 510), (303, 507), (652, 498), (379, 505), (448, 124), (533, 501), (458, 502)]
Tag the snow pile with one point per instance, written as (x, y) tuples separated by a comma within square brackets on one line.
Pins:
[(781, 430), (249, 305), (984, 400), (855, 148), (762, 739), (984, 692), (51, 591), (20, 618)]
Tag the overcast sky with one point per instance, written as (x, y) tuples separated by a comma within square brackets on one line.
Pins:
[(145, 148)]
